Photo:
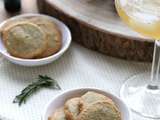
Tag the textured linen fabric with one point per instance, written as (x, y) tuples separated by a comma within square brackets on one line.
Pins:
[(78, 67)]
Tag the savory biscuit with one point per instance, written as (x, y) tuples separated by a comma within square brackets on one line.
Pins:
[(58, 115), (12, 22), (92, 97), (25, 40), (71, 108), (100, 111), (52, 32), (9, 24)]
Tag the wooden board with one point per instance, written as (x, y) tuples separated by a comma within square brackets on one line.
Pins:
[(99, 14), (96, 25)]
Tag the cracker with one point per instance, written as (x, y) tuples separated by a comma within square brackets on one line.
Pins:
[(25, 40)]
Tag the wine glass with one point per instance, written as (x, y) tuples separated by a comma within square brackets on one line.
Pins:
[(142, 92)]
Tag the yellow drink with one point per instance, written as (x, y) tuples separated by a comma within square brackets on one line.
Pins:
[(141, 15)]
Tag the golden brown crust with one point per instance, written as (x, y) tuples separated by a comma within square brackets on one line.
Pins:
[(71, 108), (58, 115), (15, 46), (81, 106), (69, 116)]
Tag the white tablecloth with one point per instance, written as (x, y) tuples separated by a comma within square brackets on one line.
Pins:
[(79, 67)]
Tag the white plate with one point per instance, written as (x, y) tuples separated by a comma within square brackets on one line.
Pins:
[(59, 101), (66, 41)]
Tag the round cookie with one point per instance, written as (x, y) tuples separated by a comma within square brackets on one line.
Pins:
[(90, 98), (52, 32), (100, 111), (9, 24), (25, 40), (71, 108), (58, 115)]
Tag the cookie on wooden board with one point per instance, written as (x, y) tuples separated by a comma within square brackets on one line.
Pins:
[(100, 111), (52, 32), (25, 40), (72, 108), (58, 115)]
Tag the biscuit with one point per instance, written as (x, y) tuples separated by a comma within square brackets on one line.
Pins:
[(9, 24), (92, 97), (71, 108), (25, 40), (12, 22), (100, 111), (58, 115), (52, 32)]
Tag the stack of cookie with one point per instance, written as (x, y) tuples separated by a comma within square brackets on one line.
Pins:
[(31, 37), (91, 106)]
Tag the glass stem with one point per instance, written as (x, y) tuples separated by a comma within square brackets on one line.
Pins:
[(155, 67)]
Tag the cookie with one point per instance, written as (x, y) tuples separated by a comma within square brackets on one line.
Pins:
[(52, 32), (91, 98), (25, 40), (58, 115), (100, 111), (71, 108), (12, 22), (9, 24)]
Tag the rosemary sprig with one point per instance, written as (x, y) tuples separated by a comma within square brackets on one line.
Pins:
[(42, 82)]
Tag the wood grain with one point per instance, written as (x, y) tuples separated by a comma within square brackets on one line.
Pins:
[(96, 25)]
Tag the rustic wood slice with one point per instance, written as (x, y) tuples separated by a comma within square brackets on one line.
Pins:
[(96, 25)]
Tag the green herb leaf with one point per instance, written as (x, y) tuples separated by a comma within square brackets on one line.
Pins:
[(42, 82)]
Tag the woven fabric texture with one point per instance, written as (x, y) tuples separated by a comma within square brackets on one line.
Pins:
[(78, 67)]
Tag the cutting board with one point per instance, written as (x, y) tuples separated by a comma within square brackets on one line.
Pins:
[(96, 25)]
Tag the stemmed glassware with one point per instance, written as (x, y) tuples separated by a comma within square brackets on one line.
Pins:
[(142, 92)]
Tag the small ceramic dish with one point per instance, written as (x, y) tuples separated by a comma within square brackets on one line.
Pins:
[(66, 41), (59, 101)]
